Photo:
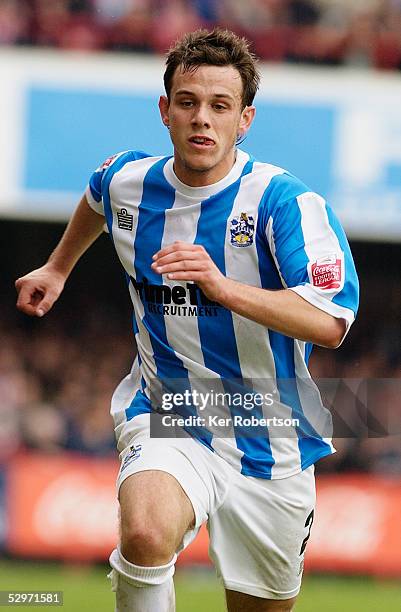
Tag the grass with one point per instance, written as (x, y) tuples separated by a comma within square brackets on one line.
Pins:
[(86, 589)]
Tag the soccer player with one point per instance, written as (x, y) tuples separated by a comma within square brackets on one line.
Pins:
[(235, 269)]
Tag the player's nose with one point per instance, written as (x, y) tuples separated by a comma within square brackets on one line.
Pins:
[(201, 116)]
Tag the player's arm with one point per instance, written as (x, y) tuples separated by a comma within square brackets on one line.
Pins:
[(282, 310), (38, 290)]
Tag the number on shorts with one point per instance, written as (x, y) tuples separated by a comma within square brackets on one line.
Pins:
[(308, 523)]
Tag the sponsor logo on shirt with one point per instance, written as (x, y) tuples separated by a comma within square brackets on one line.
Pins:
[(106, 163), (242, 229), (326, 272), (177, 300), (125, 220)]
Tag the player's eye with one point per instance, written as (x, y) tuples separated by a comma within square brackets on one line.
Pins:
[(219, 107), (186, 103)]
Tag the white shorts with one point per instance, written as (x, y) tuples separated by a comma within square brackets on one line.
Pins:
[(258, 528)]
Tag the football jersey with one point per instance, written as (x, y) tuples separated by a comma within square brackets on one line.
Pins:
[(262, 227)]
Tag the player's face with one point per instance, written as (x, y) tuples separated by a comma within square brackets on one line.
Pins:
[(205, 117)]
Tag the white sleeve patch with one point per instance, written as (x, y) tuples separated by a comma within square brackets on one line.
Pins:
[(327, 273), (96, 206)]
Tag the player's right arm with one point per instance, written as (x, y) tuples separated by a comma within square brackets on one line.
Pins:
[(38, 290)]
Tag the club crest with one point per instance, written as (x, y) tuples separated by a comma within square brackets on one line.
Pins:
[(242, 229)]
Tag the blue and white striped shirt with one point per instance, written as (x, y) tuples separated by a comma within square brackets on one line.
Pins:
[(262, 227)]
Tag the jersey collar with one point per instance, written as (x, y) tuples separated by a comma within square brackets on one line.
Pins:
[(201, 193)]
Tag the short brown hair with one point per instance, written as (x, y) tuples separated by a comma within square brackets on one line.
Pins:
[(217, 47)]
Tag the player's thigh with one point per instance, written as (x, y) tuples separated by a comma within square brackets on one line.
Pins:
[(167, 489), (154, 500), (240, 602)]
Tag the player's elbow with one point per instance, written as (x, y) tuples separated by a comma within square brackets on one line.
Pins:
[(334, 333), (332, 343)]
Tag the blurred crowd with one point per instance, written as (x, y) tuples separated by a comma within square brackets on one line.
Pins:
[(326, 32), (56, 384), (57, 376)]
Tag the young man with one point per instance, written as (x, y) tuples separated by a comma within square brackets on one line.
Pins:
[(235, 269)]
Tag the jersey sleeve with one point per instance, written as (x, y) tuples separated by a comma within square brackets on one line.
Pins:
[(98, 182), (93, 190), (313, 256)]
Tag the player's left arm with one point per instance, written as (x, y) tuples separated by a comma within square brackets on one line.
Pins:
[(283, 310), (320, 294)]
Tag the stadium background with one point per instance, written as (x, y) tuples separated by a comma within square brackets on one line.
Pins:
[(80, 81)]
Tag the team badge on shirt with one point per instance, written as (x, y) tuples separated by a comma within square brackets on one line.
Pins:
[(326, 272), (242, 229)]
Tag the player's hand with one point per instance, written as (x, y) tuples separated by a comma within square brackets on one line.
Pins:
[(191, 262), (38, 290)]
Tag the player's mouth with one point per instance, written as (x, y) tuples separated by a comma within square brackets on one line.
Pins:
[(201, 142)]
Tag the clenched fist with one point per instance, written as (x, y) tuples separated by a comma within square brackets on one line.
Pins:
[(38, 290)]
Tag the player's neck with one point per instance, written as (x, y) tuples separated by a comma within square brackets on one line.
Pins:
[(203, 177)]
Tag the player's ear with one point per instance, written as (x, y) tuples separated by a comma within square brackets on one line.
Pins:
[(247, 116), (163, 108)]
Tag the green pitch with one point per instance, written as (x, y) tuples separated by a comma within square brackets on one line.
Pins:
[(86, 590)]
